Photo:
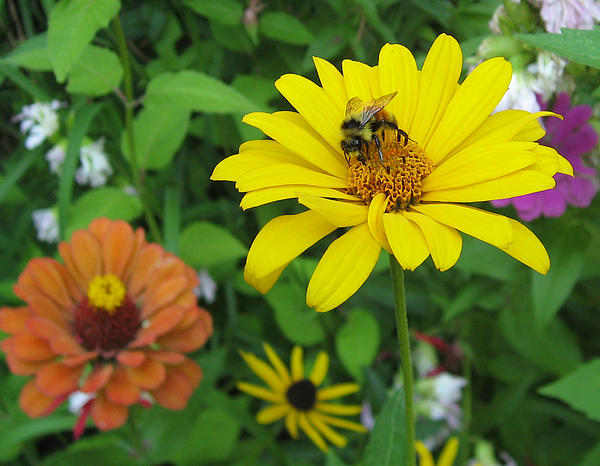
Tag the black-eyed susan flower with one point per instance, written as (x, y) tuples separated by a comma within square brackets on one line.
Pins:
[(298, 398), (406, 196), (447, 456)]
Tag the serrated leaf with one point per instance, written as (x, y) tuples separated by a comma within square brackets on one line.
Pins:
[(71, 27), (158, 134), (223, 11), (284, 28), (204, 244), (357, 342), (97, 72), (578, 45), (387, 445), (31, 54), (197, 91), (579, 389)]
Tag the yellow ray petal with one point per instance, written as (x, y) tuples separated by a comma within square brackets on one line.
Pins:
[(357, 78), (550, 162), (376, 210), (445, 243), (283, 239), (320, 368), (294, 133), (260, 392), (265, 283), (297, 365), (338, 213), (278, 364), (314, 105), (332, 82), (337, 439), (281, 174), (515, 184), (343, 423), (272, 413), (337, 391), (340, 410), (486, 226), (532, 131), (344, 267), (310, 431), (437, 85), (564, 166), (425, 456), (528, 249), (398, 72), (406, 240), (477, 96), (448, 454), (264, 371), (291, 423), (277, 193)]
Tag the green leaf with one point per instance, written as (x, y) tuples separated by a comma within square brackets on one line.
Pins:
[(592, 457), (99, 450), (31, 54), (158, 133), (578, 45), (71, 27), (8, 182), (192, 90), (204, 244), (579, 389), (284, 28), (299, 323), (567, 253), (387, 445), (97, 72), (357, 342), (103, 202), (223, 11)]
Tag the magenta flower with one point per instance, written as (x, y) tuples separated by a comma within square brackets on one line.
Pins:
[(571, 137)]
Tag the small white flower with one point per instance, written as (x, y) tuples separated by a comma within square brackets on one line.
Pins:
[(447, 387), (77, 400), (547, 70), (207, 287), (521, 93), (46, 224), (572, 14), (95, 168), (438, 398), (40, 120), (55, 158)]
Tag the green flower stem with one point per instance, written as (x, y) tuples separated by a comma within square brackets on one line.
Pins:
[(404, 339), (135, 170)]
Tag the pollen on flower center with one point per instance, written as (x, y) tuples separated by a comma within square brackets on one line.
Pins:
[(106, 292), (399, 176), (302, 395)]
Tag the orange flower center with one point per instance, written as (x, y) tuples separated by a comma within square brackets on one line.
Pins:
[(399, 175)]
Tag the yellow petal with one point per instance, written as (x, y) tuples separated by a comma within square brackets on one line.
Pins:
[(264, 371), (448, 454), (277, 363), (336, 391), (398, 73), (310, 431), (337, 439), (284, 238), (515, 184), (528, 249), (340, 410), (260, 392), (564, 166), (314, 105), (475, 99), (376, 210), (532, 131), (294, 133), (272, 413), (437, 85), (476, 164), (265, 283), (550, 162), (343, 423), (406, 240), (297, 365), (320, 368), (344, 267), (486, 226), (425, 456), (285, 174), (338, 213), (332, 82), (444, 242), (357, 78), (291, 423), (277, 193)]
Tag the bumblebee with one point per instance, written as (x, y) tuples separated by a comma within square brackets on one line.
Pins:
[(362, 125)]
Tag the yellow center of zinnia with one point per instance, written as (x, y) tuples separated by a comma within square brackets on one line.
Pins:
[(106, 292), (399, 175)]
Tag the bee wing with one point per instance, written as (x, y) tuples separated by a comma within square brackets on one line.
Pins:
[(374, 106), (354, 106)]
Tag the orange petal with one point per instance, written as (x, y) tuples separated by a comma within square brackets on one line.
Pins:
[(139, 241), (79, 359), (33, 402), (167, 357), (64, 249), (87, 258), (186, 340), (174, 392), (147, 260), (55, 379), (117, 245), (19, 366), (131, 358), (98, 378), (31, 348), (108, 415), (44, 328), (160, 324), (12, 320), (66, 344), (191, 370), (161, 293), (149, 375), (42, 306), (121, 389), (99, 226), (48, 279)]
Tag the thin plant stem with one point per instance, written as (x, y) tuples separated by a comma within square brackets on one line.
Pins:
[(129, 104), (404, 340)]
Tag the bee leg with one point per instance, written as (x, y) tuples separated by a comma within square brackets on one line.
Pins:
[(347, 157), (402, 134), (378, 144)]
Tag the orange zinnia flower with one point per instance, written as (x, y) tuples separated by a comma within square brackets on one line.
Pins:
[(113, 321)]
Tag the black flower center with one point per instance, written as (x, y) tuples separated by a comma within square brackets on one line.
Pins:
[(302, 395)]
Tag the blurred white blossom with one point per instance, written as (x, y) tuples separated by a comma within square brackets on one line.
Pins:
[(46, 224), (207, 287), (438, 398), (40, 120), (521, 93), (572, 14), (77, 400), (95, 168), (56, 157), (548, 72)]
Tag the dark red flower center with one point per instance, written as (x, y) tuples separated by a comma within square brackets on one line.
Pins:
[(302, 395)]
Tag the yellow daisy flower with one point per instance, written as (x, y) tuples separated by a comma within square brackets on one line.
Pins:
[(298, 398), (402, 189), (446, 458)]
